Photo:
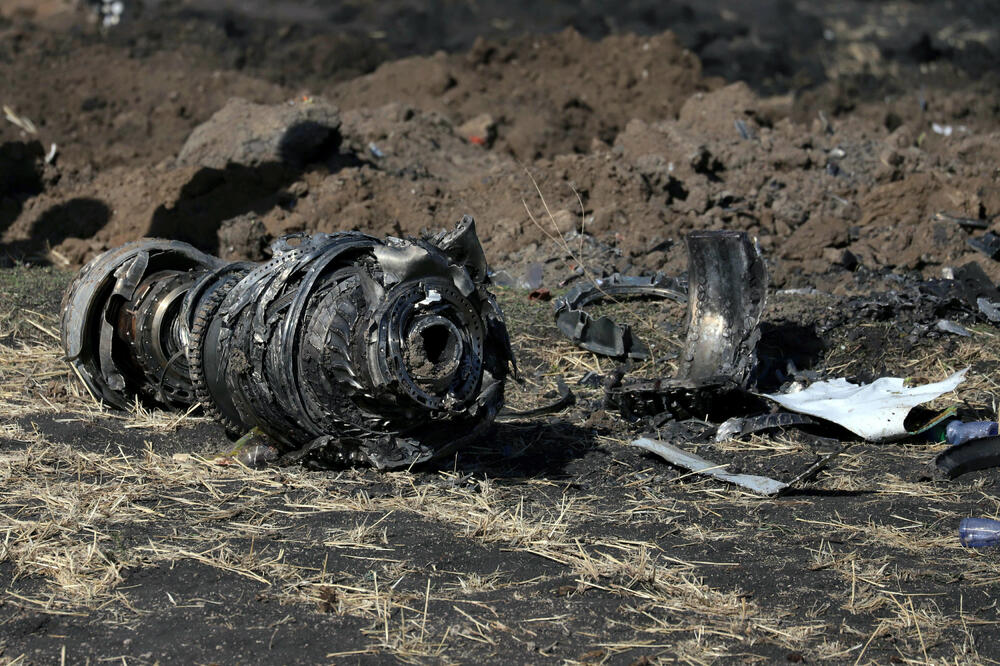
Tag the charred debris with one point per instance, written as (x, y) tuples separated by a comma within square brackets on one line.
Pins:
[(717, 394), (344, 349), (341, 349)]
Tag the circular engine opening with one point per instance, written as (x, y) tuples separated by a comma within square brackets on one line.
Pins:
[(433, 351)]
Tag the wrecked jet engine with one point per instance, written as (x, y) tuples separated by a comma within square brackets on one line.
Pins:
[(354, 349)]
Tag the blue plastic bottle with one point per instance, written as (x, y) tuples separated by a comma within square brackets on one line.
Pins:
[(979, 532), (957, 432)]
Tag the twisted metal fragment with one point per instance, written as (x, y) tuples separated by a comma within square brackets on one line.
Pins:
[(727, 288), (602, 335), (353, 349)]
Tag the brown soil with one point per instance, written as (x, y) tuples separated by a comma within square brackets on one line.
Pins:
[(625, 138)]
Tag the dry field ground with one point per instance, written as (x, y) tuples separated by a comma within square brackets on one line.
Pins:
[(132, 538)]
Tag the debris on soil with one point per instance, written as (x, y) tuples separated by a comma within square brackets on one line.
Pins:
[(969, 456), (875, 411), (966, 222), (741, 427), (23, 122), (988, 244), (565, 399), (761, 485), (727, 292), (697, 465), (383, 353), (584, 152), (948, 326), (602, 335), (990, 309), (726, 296)]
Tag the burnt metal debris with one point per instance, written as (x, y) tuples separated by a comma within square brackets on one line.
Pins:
[(737, 427), (602, 335), (347, 348), (726, 295)]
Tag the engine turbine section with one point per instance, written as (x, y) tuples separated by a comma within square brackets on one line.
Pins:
[(354, 349)]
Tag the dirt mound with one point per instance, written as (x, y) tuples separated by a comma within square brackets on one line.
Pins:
[(296, 133), (624, 138), (103, 108), (549, 95)]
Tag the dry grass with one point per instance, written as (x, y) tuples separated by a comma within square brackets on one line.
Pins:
[(636, 562)]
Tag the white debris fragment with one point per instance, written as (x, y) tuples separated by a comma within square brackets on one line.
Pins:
[(948, 326), (729, 429), (988, 308), (874, 411), (51, 155), (761, 485), (943, 130), (433, 296)]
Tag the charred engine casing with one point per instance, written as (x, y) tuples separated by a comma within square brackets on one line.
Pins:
[(358, 350)]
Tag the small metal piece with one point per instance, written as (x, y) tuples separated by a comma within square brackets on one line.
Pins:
[(988, 244), (948, 326), (565, 399), (602, 335), (744, 130), (344, 347), (762, 485), (967, 222), (989, 309), (741, 427)]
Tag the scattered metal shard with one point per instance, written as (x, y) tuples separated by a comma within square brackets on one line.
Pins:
[(967, 222), (727, 293), (602, 335), (948, 326), (727, 287), (566, 399), (741, 427), (382, 352), (762, 485)]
